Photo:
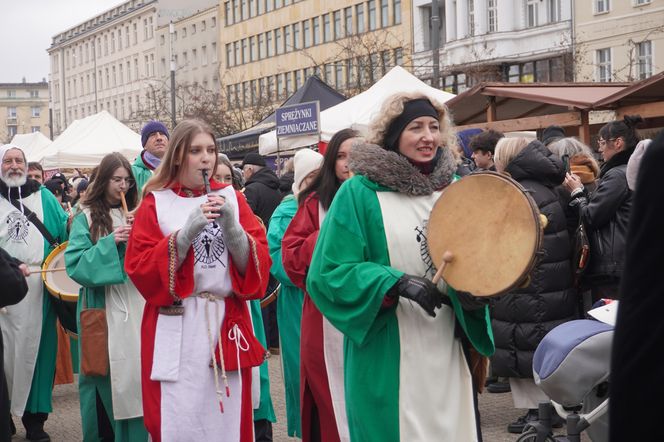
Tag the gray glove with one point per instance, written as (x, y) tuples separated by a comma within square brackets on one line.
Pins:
[(470, 302), (235, 237), (196, 222)]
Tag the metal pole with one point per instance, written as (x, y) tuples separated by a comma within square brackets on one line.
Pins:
[(171, 30), (435, 43)]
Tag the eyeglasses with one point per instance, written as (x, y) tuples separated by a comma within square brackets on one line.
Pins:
[(118, 180), (602, 143)]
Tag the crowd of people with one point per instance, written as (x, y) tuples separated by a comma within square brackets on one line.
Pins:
[(175, 252)]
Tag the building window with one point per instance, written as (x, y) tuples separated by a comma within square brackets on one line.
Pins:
[(492, 15), (227, 13), (531, 13), (253, 54), (204, 57), (602, 6), (34, 129), (396, 11), (603, 62), (348, 16), (398, 56), (289, 83), (12, 130), (245, 10), (553, 11), (297, 42), (236, 11), (245, 51), (471, 17), (316, 30), (213, 22), (280, 85), (641, 2), (268, 43), (278, 43), (288, 43), (359, 18), (261, 46), (34, 93), (11, 112), (229, 55), (327, 28), (194, 57), (337, 25), (372, 14), (269, 5), (306, 28), (298, 78), (384, 13), (214, 52), (644, 59)]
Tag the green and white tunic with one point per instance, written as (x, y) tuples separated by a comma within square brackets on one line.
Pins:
[(406, 375)]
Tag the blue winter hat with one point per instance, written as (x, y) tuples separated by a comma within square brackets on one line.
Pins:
[(464, 137), (150, 128)]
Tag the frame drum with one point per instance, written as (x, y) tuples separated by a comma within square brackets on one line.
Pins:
[(62, 288), (493, 230)]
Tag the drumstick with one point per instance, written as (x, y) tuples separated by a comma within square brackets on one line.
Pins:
[(56, 269), (447, 258), (124, 204)]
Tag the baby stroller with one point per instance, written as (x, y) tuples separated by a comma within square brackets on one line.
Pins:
[(571, 365)]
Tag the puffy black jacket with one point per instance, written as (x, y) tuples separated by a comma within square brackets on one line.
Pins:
[(605, 214), (521, 318), (262, 192)]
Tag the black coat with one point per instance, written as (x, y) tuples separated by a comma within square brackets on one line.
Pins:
[(14, 289), (521, 318), (262, 192), (637, 357), (606, 214)]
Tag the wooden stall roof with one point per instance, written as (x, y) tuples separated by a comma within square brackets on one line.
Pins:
[(512, 101)]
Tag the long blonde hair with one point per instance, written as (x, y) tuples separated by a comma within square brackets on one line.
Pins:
[(169, 170), (507, 149), (393, 106)]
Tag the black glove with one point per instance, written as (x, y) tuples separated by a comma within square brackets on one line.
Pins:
[(420, 290), (470, 302)]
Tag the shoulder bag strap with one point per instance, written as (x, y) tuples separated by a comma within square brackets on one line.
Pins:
[(38, 224)]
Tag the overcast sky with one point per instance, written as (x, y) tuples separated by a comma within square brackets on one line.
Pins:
[(27, 28)]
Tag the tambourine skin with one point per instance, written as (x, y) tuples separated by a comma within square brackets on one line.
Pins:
[(59, 284), (493, 229)]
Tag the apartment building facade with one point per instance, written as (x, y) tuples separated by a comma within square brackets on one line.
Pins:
[(193, 48), (24, 107), (270, 47), (618, 40), (494, 40)]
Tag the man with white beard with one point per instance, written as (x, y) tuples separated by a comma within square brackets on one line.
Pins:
[(29, 214)]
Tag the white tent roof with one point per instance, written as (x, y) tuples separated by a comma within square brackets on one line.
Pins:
[(85, 142), (356, 112), (31, 144)]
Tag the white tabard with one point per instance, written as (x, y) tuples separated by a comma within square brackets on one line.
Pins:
[(435, 390), (189, 406), (22, 323)]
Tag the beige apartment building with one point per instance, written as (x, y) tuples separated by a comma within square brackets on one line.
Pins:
[(618, 40), (103, 63), (270, 47), (193, 48), (24, 107)]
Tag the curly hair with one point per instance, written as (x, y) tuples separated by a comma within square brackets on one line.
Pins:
[(393, 106)]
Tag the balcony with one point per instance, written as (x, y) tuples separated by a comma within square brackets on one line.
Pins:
[(12, 121)]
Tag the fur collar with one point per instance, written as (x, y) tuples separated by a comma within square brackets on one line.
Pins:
[(618, 159), (394, 171)]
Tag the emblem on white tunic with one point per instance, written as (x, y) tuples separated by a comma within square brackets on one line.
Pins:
[(17, 226), (421, 237), (209, 245)]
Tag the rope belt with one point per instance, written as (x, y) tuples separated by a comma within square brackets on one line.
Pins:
[(213, 299)]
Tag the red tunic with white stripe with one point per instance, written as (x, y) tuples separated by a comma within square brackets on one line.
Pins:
[(321, 345), (181, 397)]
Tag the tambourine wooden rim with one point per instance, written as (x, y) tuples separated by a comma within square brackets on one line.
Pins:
[(54, 291), (492, 228)]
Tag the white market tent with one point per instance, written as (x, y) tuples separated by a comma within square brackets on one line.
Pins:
[(356, 112), (85, 142), (31, 144)]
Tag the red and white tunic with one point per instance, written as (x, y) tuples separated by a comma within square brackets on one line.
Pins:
[(181, 397), (321, 344)]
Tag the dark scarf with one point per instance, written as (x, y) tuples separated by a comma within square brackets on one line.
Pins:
[(394, 171), (30, 187), (618, 159)]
